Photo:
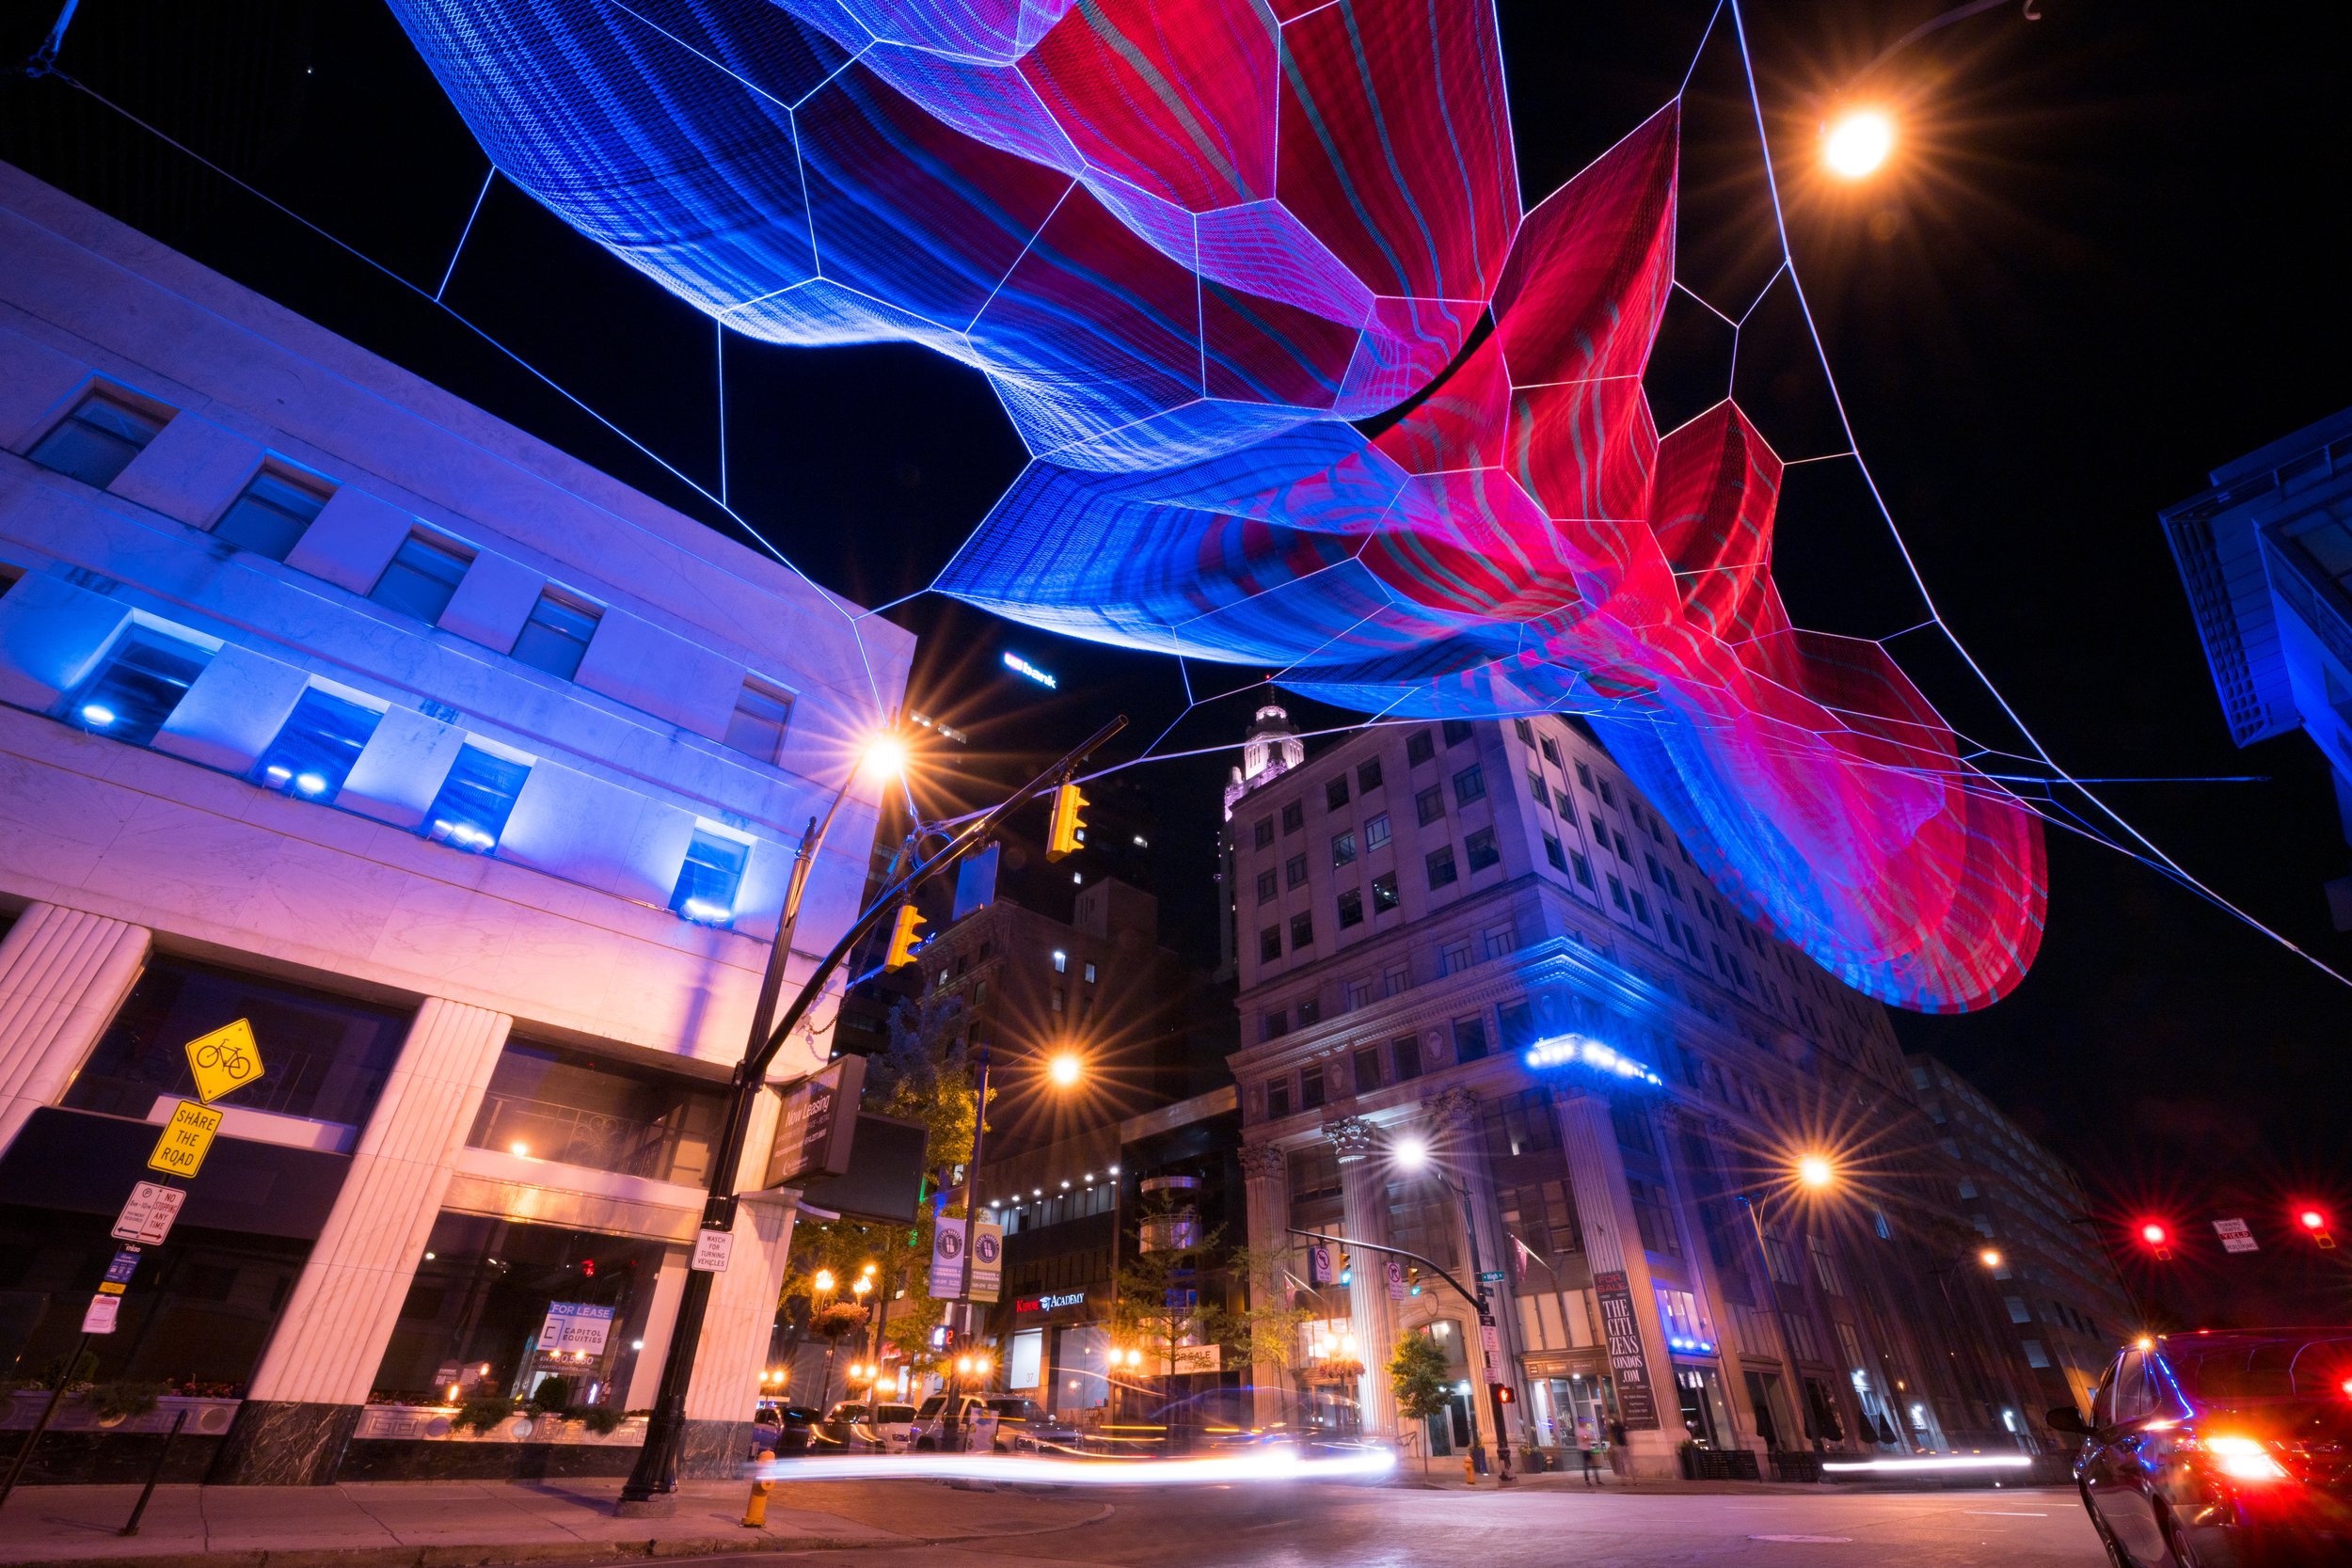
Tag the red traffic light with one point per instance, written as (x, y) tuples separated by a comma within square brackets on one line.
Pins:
[(2158, 1237), (2314, 1223)]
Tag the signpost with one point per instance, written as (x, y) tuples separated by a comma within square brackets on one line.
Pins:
[(148, 1212), (817, 1124), (226, 1059), (713, 1251), (187, 1138), (2236, 1236)]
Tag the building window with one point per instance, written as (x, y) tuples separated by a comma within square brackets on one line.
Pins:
[(1584, 777), (1368, 776), (1469, 785), (1310, 1014), (137, 687), (1335, 793), (1480, 846), (1641, 906), (1584, 867), (1608, 796), (1358, 994), (1351, 908), (317, 746), (1825, 1269), (1343, 848), (557, 634), (1616, 896), (1501, 941), (1516, 1023), (1384, 892), (1625, 851), (271, 514), (1441, 872), (547, 1102), (1418, 747), (762, 714), (1262, 832), (1268, 885), (2018, 1312), (1311, 1084), (1061, 961), (1270, 944), (707, 883), (1294, 816), (1059, 1000), (1453, 957), (1429, 804), (1394, 981), (1650, 1216), (1405, 1057), (328, 1057), (2035, 1355), (1295, 871), (1556, 855), (1377, 832), (1536, 788), (97, 441), (475, 799), (1525, 731), (1090, 975), (1551, 751), (1302, 930), (1277, 1093), (1469, 1038), (422, 577), (1456, 731)]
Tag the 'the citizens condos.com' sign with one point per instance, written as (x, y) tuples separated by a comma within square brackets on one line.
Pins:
[(1637, 1400)]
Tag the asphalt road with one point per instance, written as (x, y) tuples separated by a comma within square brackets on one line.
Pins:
[(1295, 1525)]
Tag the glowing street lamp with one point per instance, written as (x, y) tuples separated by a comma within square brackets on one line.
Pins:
[(1989, 1257), (1065, 1070), (823, 1281), (1857, 143), (1816, 1171), (1411, 1153)]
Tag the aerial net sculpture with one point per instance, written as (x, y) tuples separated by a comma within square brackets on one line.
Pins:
[(1303, 383)]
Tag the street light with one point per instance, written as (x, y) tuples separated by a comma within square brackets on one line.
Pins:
[(1065, 1069), (1856, 142), (1989, 1257), (1413, 1153), (823, 1282), (1816, 1171)]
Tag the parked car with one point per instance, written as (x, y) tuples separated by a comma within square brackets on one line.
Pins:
[(782, 1429), (875, 1428), (1025, 1426), (2229, 1449), (980, 1424)]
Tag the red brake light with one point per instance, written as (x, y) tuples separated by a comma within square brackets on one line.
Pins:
[(2245, 1459)]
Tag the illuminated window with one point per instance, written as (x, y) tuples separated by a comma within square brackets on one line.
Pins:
[(272, 513), (1384, 892), (422, 577), (708, 882), (1061, 961), (97, 441), (1377, 832), (762, 714), (137, 687), (475, 799), (1090, 975), (317, 746), (557, 634)]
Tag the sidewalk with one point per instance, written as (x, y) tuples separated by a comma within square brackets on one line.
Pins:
[(459, 1524)]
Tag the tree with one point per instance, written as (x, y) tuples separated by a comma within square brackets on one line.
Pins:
[(1417, 1377), (1264, 1331), (1159, 1314)]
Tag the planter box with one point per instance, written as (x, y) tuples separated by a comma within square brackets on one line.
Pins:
[(1797, 1466), (1719, 1465), (420, 1442), (435, 1423), (79, 1450)]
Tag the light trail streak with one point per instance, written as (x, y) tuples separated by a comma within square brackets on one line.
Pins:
[(1950, 1462), (1272, 1464)]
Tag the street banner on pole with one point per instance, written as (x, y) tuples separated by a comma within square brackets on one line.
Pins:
[(1637, 1400), (988, 1261)]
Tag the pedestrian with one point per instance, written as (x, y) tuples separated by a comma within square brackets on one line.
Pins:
[(1619, 1461), (1591, 1464)]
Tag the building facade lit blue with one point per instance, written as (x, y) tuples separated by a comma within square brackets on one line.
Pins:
[(2266, 557)]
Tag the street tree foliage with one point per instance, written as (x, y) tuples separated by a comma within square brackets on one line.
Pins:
[(1178, 1297), (921, 1076), (1416, 1378)]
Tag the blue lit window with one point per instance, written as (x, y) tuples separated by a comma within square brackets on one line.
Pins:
[(707, 883), (97, 441), (422, 577), (316, 748), (476, 799), (270, 516), (557, 634), (136, 689)]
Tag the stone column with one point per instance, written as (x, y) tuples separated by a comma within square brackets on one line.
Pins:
[(1266, 1172), (1612, 1244), (1364, 1207), (723, 1393), (1684, 1181), (62, 975), (305, 1397)]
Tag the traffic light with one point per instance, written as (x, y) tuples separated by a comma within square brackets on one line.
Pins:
[(2158, 1237), (902, 937), (1505, 1394), (1347, 1270), (2314, 1223), (1066, 833)]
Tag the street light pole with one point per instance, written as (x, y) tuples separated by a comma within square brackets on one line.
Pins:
[(1780, 1319), (951, 1414), (652, 1485)]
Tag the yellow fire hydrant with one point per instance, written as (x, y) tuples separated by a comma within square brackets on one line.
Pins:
[(1470, 1469), (755, 1506)]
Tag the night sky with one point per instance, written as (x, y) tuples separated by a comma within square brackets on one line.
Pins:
[(2098, 270)]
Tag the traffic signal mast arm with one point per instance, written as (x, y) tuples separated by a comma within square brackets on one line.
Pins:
[(1475, 1299)]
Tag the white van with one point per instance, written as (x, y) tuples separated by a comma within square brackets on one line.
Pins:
[(980, 1424)]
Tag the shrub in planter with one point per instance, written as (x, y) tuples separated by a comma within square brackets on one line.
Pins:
[(482, 1414), (553, 1397), (603, 1419), (121, 1400)]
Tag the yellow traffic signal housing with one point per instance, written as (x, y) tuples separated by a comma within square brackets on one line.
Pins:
[(1066, 833), (902, 937)]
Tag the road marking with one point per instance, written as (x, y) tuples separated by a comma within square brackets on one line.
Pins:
[(2012, 1513), (1820, 1539)]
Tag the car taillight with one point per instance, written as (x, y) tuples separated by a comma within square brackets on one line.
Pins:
[(2245, 1459)]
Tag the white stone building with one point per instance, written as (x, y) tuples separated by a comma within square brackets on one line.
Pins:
[(471, 778)]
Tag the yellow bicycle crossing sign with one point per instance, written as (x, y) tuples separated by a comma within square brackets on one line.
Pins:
[(224, 1060)]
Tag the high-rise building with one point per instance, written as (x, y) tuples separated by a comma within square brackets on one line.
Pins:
[(469, 780), (2266, 557), (1495, 1018), (2058, 1288)]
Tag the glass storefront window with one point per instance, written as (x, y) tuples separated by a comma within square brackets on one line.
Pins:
[(498, 1308), (327, 1056), (550, 1103), (1705, 1415), (196, 1316), (1584, 1404)]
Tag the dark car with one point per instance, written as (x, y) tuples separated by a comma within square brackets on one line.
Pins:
[(2229, 1449)]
